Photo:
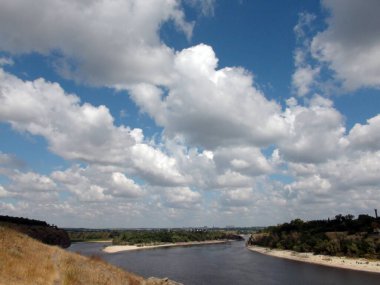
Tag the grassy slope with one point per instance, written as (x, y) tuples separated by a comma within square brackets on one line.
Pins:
[(24, 260)]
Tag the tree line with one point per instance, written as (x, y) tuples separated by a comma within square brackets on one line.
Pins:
[(171, 236), (341, 236), (40, 230)]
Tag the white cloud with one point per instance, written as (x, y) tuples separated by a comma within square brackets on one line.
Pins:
[(210, 107), (231, 179), (10, 161), (351, 43), (155, 166), (353, 171), (303, 79), (302, 169), (317, 132), (78, 131), (82, 183), (74, 131), (305, 75), (212, 162), (237, 197), (303, 26), (29, 186), (197, 166), (3, 193), (182, 197), (207, 7), (313, 183), (366, 137), (345, 184), (6, 61), (112, 43), (245, 160), (123, 186), (31, 182), (97, 183)]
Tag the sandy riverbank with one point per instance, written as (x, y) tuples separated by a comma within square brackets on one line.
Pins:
[(118, 248), (333, 261)]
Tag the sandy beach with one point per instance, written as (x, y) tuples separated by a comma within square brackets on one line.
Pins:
[(361, 264), (118, 248)]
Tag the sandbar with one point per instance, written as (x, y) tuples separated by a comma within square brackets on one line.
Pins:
[(118, 248), (361, 264)]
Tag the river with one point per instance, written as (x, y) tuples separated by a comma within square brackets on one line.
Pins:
[(225, 264)]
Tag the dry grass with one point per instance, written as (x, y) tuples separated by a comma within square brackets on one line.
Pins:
[(24, 260)]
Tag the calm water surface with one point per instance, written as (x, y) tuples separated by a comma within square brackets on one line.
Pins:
[(223, 264)]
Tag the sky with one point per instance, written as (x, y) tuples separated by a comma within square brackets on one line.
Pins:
[(171, 113)]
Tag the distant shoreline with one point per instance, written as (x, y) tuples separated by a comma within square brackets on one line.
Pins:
[(119, 248), (360, 264)]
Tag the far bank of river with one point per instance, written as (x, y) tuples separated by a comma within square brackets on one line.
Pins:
[(224, 264), (119, 248)]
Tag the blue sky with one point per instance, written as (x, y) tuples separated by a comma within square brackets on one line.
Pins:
[(188, 113)]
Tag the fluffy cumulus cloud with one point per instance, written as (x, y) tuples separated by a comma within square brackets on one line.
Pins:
[(303, 78), (31, 181), (155, 166), (314, 184), (244, 160), (97, 183), (112, 43), (29, 186), (350, 45), (78, 131), (182, 198), (225, 150), (123, 186), (346, 183), (43, 108), (315, 148), (317, 132), (209, 106), (366, 137), (305, 75), (356, 170), (332, 168), (237, 197)]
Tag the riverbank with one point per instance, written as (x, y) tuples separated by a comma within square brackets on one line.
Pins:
[(360, 264), (119, 248)]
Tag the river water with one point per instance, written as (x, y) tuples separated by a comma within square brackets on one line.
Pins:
[(225, 264)]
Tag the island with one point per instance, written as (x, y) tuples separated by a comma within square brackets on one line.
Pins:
[(137, 239)]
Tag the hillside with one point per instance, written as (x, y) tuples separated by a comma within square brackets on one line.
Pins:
[(25, 261), (342, 236), (38, 230)]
